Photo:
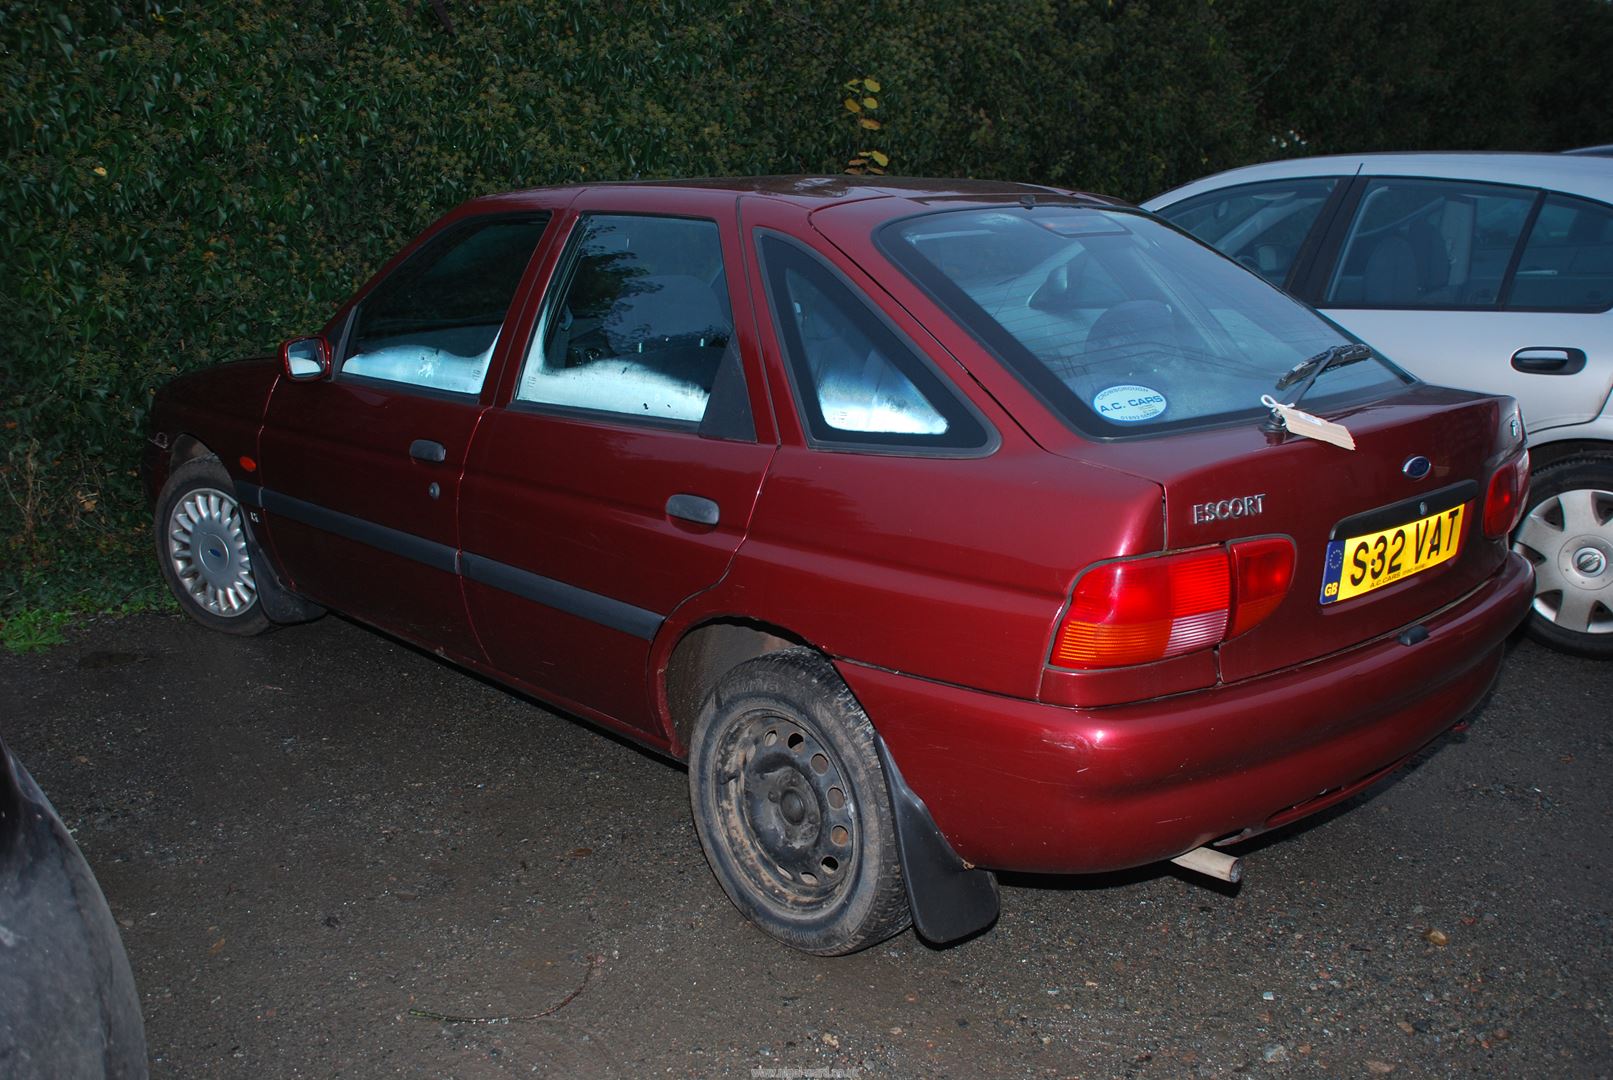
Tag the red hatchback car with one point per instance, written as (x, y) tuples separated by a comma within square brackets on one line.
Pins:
[(941, 527)]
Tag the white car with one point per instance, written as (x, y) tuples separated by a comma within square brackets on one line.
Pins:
[(1490, 272)]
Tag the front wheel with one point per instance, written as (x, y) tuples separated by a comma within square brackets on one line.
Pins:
[(1568, 534), (792, 807), (203, 550)]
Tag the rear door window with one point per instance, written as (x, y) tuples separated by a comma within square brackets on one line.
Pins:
[(1262, 226), (640, 323)]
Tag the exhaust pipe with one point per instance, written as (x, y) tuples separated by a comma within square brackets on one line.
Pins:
[(1216, 864)]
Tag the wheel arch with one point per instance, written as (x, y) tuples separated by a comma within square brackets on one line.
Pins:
[(185, 448), (281, 603), (948, 899), (1544, 455), (701, 656)]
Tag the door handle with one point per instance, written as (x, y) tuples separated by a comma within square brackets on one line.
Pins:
[(695, 508), (431, 452), (1538, 360)]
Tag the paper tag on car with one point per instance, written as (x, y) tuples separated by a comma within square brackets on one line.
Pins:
[(1300, 422)]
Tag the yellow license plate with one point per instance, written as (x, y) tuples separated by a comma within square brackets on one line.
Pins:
[(1359, 564)]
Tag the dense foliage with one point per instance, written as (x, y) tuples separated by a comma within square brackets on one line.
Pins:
[(182, 184)]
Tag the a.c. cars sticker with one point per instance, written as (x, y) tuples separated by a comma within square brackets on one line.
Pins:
[(1129, 404)]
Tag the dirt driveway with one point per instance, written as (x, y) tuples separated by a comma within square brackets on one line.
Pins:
[(323, 847)]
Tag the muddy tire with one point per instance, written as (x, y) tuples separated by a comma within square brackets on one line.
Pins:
[(792, 807)]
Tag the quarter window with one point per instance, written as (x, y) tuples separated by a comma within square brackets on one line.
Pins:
[(1260, 225), (1429, 244), (856, 381), (640, 323), (434, 321), (1567, 264)]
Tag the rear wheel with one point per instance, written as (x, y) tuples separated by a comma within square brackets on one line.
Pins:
[(792, 807), (203, 550), (1568, 534)]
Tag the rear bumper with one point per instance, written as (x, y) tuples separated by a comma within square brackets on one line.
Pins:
[(1020, 785)]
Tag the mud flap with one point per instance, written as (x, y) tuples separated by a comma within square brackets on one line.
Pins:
[(280, 604), (949, 899)]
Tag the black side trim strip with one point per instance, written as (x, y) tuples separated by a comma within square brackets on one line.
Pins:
[(432, 554), (557, 594), (616, 614)]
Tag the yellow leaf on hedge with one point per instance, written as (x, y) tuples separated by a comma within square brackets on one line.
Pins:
[(868, 122), (879, 159), (870, 103), (871, 86), (852, 106), (876, 171)]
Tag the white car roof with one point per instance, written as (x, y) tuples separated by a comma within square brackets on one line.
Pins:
[(1573, 174)]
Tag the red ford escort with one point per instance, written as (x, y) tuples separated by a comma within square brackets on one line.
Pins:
[(942, 527)]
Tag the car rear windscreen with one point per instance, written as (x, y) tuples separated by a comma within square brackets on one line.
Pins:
[(1119, 322)]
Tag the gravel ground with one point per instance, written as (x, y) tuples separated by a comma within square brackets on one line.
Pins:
[(335, 856)]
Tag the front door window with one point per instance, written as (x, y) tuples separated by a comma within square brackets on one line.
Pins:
[(434, 321), (1260, 225)]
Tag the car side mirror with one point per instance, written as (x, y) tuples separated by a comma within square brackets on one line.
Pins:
[(306, 358)]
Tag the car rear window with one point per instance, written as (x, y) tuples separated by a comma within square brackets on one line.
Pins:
[(1119, 322)]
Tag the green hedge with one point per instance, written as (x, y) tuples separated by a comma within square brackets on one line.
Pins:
[(183, 184)]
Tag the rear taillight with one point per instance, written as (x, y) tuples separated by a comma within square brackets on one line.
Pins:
[(1262, 570), (1137, 611), (1503, 503)]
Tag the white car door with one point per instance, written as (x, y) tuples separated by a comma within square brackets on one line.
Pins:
[(1432, 272)]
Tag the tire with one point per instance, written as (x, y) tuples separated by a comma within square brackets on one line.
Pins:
[(792, 807), (203, 550), (1567, 533)]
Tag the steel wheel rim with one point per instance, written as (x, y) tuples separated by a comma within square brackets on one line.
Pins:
[(208, 553), (787, 810), (1569, 538)]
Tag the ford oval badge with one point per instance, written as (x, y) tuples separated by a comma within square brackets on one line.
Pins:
[(1416, 466)]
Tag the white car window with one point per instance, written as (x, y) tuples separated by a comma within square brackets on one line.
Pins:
[(1260, 225), (1429, 244), (1567, 264)]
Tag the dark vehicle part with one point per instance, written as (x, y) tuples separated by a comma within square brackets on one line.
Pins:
[(202, 549), (792, 808), (68, 1005), (949, 898)]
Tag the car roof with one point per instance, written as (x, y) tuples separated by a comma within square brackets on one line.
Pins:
[(1585, 174), (810, 192)]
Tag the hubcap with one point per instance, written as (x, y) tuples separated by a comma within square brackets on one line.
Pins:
[(1569, 538), (207, 547), (785, 804), (1589, 561)]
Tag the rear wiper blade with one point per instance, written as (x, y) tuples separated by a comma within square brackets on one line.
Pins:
[(1310, 368)]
